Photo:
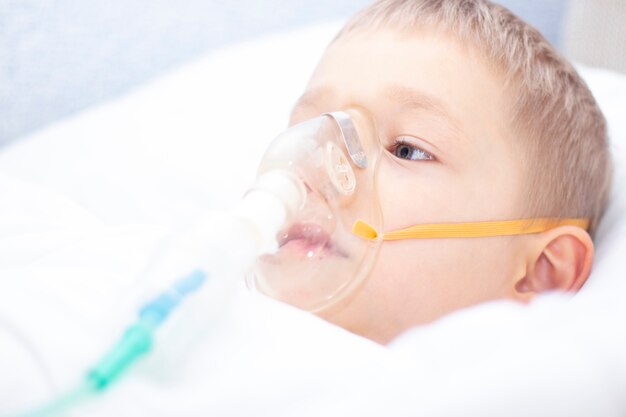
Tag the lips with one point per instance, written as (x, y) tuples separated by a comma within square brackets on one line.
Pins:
[(306, 239), (308, 233)]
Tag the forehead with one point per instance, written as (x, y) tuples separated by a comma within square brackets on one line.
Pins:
[(385, 69)]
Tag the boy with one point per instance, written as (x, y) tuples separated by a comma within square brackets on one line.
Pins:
[(482, 120)]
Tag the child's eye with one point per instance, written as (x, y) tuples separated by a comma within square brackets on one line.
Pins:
[(404, 150)]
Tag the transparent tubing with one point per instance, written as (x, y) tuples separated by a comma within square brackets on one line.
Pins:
[(222, 246)]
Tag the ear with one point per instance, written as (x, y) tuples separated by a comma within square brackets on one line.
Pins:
[(560, 260)]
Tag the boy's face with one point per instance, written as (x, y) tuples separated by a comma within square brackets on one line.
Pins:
[(441, 116)]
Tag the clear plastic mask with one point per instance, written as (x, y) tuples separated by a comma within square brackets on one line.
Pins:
[(319, 259)]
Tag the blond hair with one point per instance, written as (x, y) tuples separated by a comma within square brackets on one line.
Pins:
[(562, 132)]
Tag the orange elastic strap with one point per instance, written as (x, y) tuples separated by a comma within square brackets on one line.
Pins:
[(472, 229)]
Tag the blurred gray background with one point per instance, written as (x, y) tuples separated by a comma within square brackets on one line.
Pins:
[(58, 57)]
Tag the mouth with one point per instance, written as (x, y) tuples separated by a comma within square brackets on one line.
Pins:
[(307, 240)]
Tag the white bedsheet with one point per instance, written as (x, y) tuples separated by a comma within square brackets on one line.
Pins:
[(85, 202)]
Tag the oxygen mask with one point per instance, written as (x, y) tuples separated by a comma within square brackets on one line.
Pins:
[(318, 259)]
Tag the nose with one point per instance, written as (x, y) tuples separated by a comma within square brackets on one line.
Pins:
[(339, 170)]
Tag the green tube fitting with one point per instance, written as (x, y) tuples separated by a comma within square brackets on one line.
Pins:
[(137, 341)]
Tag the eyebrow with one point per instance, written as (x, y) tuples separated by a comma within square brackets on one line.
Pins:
[(409, 98), (418, 100)]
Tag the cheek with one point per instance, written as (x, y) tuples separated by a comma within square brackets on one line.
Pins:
[(410, 196), (432, 193), (418, 281)]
